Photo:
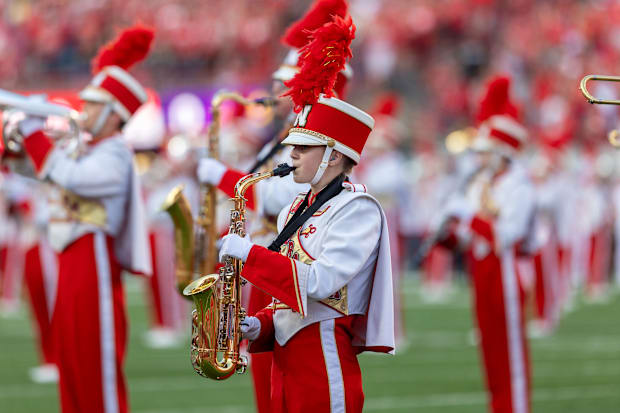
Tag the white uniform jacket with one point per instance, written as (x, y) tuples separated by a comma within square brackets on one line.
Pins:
[(337, 264), (100, 192), (513, 195)]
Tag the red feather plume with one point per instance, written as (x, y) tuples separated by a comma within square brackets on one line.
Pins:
[(130, 47), (387, 104), (497, 100), (321, 12), (320, 61)]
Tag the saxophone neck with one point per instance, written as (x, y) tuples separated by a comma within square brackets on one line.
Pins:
[(247, 181)]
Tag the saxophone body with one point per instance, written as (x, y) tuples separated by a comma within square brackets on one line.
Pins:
[(195, 250), (216, 332)]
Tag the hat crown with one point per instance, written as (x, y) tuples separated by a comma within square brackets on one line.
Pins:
[(498, 117), (112, 82), (334, 122)]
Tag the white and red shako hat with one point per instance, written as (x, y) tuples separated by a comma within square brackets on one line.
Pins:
[(322, 119), (112, 82), (334, 123), (499, 127), (298, 35)]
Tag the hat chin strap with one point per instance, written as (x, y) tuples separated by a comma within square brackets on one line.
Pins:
[(101, 120), (323, 166)]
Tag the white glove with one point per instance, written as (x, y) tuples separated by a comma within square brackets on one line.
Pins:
[(30, 125), (460, 207), (211, 171), (235, 246), (250, 328)]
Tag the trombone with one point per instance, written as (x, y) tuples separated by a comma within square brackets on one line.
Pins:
[(613, 135), (602, 78)]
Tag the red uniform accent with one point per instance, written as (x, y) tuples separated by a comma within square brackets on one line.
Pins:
[(599, 260), (506, 138), (293, 377), (36, 286), (499, 302), (227, 185), (12, 271), (483, 228), (90, 327), (155, 291), (260, 363), (274, 274), (38, 146)]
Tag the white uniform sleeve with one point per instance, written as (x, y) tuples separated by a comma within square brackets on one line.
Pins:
[(101, 173), (513, 222), (352, 237)]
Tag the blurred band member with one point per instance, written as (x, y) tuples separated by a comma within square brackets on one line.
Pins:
[(494, 220), (97, 225)]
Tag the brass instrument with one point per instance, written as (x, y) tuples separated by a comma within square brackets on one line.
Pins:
[(613, 135), (588, 95), (195, 250), (61, 121), (216, 332)]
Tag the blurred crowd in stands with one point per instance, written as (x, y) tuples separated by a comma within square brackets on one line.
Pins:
[(435, 54)]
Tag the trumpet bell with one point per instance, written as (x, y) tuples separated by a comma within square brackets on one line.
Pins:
[(61, 122)]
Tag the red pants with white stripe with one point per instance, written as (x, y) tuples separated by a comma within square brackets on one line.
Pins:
[(260, 365), (40, 277), (499, 303), (167, 305), (317, 370), (90, 327), (12, 259)]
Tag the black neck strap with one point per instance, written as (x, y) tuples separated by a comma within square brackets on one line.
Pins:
[(303, 212)]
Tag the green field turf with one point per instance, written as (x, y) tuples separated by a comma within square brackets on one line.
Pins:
[(575, 370)]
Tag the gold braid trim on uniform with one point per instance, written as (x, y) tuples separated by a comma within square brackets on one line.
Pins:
[(296, 282)]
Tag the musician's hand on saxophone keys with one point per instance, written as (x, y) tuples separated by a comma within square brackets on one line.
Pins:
[(250, 328), (235, 246), (210, 171)]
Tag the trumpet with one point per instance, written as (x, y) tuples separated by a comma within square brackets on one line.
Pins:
[(61, 122)]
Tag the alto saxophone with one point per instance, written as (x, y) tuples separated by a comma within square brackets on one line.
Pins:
[(216, 332), (195, 250)]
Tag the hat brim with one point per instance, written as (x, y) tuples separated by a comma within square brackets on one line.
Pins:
[(296, 138)]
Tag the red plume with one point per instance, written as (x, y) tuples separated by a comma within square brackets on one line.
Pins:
[(387, 105), (320, 61), (321, 12), (130, 47), (497, 100)]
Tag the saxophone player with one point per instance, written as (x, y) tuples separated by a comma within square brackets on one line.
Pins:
[(268, 197), (493, 220), (97, 226), (329, 269)]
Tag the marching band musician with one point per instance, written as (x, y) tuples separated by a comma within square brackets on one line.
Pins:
[(493, 220), (97, 226), (329, 269), (268, 197)]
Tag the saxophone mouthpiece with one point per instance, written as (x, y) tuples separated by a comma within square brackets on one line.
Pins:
[(267, 101), (283, 169)]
